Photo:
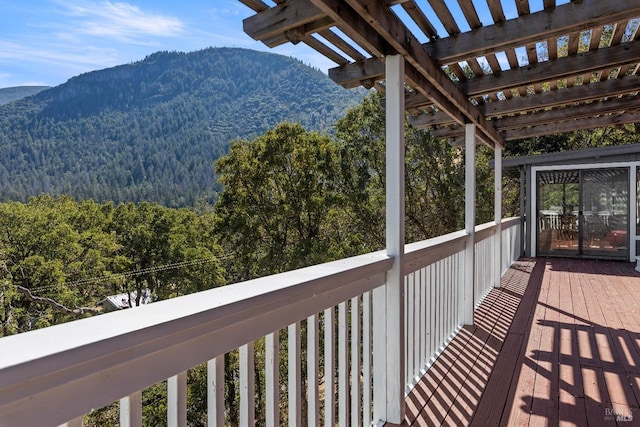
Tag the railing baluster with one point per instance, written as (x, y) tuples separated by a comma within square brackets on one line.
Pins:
[(424, 335), (355, 361), (215, 392), (295, 384), (410, 326), (272, 380), (343, 366), (313, 342), (131, 410), (177, 400), (247, 385), (329, 368), (366, 359)]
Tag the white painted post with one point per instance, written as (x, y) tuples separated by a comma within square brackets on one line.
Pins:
[(633, 212), (395, 359), (343, 365), (366, 359), (469, 220), (329, 368), (215, 392), (498, 216), (131, 410), (294, 371), (177, 400), (272, 373), (247, 385), (313, 392), (355, 361)]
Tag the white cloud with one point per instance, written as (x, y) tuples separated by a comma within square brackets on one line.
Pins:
[(118, 20)]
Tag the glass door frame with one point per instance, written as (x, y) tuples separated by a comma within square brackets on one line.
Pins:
[(632, 236)]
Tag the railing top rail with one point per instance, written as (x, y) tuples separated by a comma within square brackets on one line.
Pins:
[(150, 343)]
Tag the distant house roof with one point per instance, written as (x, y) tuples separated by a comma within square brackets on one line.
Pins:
[(125, 300)]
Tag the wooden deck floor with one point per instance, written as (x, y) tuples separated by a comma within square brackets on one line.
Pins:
[(558, 344)]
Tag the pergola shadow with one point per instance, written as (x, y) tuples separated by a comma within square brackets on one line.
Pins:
[(558, 343)]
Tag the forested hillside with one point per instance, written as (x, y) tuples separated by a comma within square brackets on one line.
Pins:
[(10, 94), (151, 130)]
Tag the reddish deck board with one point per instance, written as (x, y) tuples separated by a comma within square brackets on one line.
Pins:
[(557, 344)]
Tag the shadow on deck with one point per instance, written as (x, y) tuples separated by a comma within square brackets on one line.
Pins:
[(557, 344)]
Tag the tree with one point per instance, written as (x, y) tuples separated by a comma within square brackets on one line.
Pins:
[(278, 198)]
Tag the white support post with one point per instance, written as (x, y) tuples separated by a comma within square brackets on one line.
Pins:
[(131, 410), (247, 385), (177, 400), (215, 392), (394, 329), (633, 211), (272, 380), (295, 375), (469, 220), (313, 379), (498, 216)]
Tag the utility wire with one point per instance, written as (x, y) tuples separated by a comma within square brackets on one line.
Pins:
[(132, 273)]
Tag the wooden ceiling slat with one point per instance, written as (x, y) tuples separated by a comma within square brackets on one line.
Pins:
[(338, 42), (620, 29), (574, 42), (443, 13), (475, 67), (495, 7), (470, 13), (523, 7), (325, 50), (532, 53), (493, 64), (420, 19)]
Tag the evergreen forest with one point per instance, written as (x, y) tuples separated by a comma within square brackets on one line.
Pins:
[(151, 130)]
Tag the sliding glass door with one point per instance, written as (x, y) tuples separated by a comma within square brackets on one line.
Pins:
[(583, 213)]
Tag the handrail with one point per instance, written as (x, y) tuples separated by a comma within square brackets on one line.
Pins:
[(59, 369)]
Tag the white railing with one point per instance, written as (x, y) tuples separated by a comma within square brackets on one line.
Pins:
[(434, 284), (53, 375)]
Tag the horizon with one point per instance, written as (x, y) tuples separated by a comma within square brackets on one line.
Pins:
[(47, 42)]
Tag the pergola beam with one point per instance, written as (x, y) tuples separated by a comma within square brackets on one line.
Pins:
[(389, 26), (565, 19), (574, 125), (562, 68), (523, 123)]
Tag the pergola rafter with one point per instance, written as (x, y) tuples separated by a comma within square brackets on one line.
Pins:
[(468, 72)]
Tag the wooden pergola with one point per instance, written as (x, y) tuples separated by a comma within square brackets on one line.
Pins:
[(571, 66)]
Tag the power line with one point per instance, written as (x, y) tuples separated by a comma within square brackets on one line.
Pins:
[(132, 273)]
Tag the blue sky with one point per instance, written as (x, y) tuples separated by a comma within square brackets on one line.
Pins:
[(46, 42)]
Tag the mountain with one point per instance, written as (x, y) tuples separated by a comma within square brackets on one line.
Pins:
[(10, 94), (151, 130)]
